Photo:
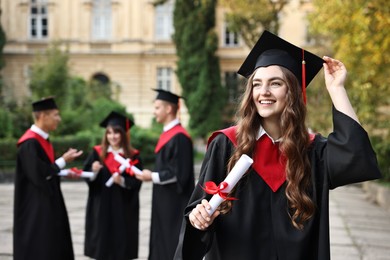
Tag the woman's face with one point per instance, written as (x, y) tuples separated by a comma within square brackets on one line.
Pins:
[(269, 92), (113, 138)]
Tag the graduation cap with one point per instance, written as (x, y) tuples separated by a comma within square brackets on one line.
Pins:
[(273, 50), (44, 104), (116, 119), (167, 96)]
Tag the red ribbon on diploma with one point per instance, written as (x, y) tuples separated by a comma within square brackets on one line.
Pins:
[(77, 171), (129, 171), (212, 188)]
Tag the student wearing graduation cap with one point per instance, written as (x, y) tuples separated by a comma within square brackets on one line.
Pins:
[(281, 211), (41, 226), (173, 178), (112, 214)]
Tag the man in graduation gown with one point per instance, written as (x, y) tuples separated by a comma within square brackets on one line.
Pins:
[(173, 178), (41, 227)]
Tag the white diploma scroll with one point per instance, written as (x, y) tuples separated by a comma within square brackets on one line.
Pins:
[(241, 166), (110, 181), (83, 174), (126, 163)]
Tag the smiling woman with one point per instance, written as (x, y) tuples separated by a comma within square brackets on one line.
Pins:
[(281, 211), (269, 95)]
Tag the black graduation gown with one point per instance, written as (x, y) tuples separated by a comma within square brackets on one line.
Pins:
[(112, 216), (259, 226), (41, 225), (175, 158)]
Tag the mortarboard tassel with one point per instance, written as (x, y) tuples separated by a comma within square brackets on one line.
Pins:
[(303, 76)]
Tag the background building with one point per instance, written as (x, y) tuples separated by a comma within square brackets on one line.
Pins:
[(124, 42)]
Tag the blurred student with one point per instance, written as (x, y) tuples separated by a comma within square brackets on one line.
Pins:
[(173, 178), (41, 225), (112, 217)]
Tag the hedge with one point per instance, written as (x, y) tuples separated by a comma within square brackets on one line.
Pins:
[(143, 140)]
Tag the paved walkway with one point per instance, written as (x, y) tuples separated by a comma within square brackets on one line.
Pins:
[(359, 229)]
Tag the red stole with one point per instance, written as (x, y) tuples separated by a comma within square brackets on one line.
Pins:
[(110, 162), (268, 161), (46, 145), (166, 136)]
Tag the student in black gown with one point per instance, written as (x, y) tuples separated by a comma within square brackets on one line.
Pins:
[(41, 226), (281, 211), (112, 216), (173, 178)]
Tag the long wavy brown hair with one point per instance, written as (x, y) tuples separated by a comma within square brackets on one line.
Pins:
[(295, 143), (125, 142)]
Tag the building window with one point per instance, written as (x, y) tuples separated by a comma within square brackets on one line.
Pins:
[(101, 20), (232, 85), (101, 78), (38, 19), (164, 21), (230, 38), (164, 78)]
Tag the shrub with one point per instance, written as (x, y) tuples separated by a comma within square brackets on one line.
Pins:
[(382, 149)]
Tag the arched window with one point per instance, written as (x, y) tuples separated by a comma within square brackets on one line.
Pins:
[(101, 78)]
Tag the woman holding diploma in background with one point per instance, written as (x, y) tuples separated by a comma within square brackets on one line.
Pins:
[(281, 211), (112, 217)]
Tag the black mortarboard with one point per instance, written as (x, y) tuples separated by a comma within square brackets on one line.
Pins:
[(116, 119), (44, 104), (167, 96), (273, 50)]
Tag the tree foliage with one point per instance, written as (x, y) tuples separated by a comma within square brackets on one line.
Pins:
[(357, 33), (198, 66), (79, 101), (250, 17), (3, 40), (2, 62), (363, 44), (50, 74)]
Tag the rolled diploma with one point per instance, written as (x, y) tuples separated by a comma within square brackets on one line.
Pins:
[(231, 179), (110, 181), (126, 163), (65, 172)]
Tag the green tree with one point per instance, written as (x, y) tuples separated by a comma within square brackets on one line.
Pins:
[(75, 97), (3, 41), (250, 17), (198, 66), (50, 74), (357, 32), (5, 118)]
